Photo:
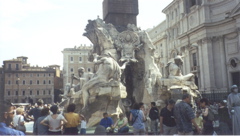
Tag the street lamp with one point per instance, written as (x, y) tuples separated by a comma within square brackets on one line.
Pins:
[(18, 80)]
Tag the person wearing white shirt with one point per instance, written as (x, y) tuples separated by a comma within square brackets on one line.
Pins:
[(83, 125), (56, 121), (18, 117)]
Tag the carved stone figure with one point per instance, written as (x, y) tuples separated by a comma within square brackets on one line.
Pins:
[(127, 42), (108, 74), (175, 74), (83, 78), (178, 83)]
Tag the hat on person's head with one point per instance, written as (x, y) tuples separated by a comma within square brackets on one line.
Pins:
[(233, 87)]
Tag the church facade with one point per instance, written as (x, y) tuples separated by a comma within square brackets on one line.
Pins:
[(206, 34)]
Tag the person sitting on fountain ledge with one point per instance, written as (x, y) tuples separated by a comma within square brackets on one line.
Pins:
[(107, 122)]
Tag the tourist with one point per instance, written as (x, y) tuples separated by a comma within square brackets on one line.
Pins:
[(56, 121), (107, 122), (73, 120), (207, 122), (233, 103), (41, 129), (36, 112), (154, 116), (122, 124), (184, 116), (83, 125), (137, 117), (18, 119), (167, 121), (198, 120), (224, 120), (6, 119), (145, 112)]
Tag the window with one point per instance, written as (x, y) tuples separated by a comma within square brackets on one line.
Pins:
[(172, 15), (23, 74), (194, 58), (16, 93), (89, 69), (44, 82), (17, 67), (37, 81), (16, 75), (30, 75), (80, 59), (44, 75), (49, 92), (44, 92), (71, 69), (9, 66), (193, 2), (37, 92), (23, 93), (16, 81), (30, 82), (49, 74), (23, 82), (9, 82), (49, 82), (30, 92), (38, 75), (71, 58), (233, 63), (9, 93)]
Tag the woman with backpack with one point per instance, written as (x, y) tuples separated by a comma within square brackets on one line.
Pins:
[(208, 117), (137, 118)]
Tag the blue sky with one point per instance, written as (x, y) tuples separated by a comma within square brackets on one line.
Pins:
[(41, 29)]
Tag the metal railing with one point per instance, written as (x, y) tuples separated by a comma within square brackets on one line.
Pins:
[(215, 95)]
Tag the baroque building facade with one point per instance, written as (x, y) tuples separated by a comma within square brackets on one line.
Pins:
[(206, 34), (24, 83), (73, 59)]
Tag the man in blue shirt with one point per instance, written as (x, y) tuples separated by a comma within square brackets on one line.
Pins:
[(184, 116), (106, 121), (6, 118)]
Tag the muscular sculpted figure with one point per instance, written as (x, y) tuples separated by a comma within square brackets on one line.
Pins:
[(175, 73), (83, 78), (108, 73)]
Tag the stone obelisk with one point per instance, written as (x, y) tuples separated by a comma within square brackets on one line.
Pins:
[(120, 13)]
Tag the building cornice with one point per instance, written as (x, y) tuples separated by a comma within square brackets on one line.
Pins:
[(204, 25)]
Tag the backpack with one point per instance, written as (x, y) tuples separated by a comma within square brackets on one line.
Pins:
[(212, 114)]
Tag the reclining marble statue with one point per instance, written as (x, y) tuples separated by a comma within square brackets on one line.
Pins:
[(108, 74), (178, 81)]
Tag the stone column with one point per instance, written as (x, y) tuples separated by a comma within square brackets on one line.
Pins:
[(202, 76), (223, 62), (208, 63)]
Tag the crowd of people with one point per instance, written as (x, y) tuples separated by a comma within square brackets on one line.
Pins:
[(177, 118)]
